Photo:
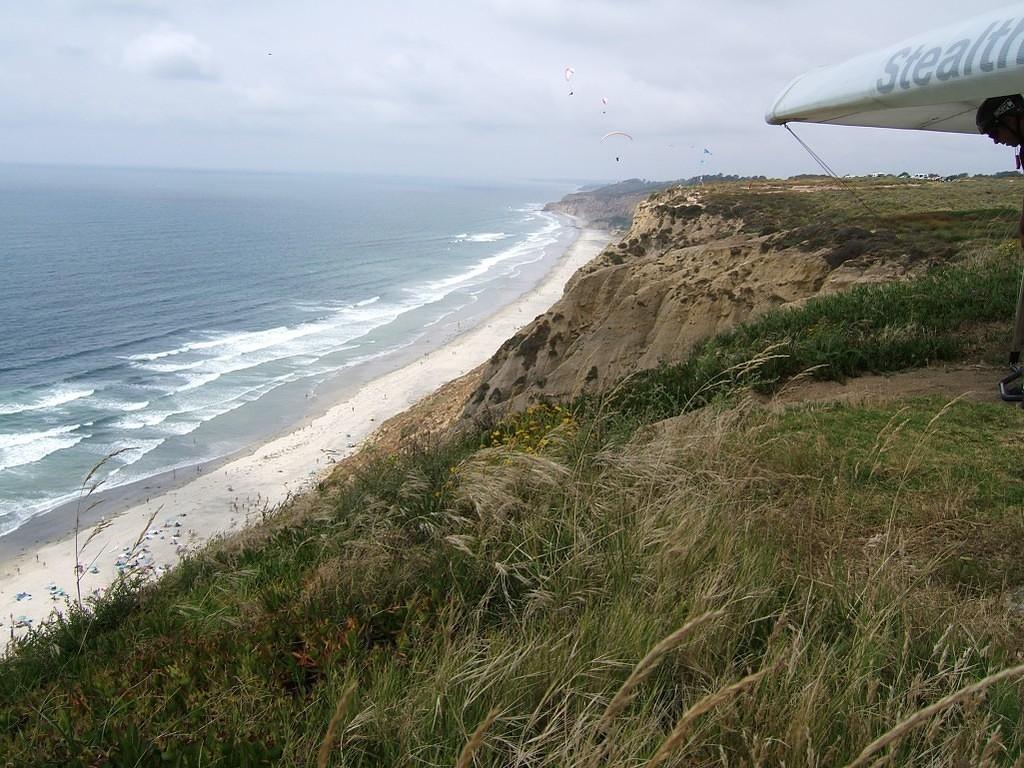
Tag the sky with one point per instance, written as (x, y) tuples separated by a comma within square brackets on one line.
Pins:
[(470, 89)]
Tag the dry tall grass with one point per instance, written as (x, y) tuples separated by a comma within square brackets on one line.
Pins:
[(722, 588), (690, 521)]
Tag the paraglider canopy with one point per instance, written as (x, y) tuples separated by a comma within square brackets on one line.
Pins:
[(617, 133), (934, 81)]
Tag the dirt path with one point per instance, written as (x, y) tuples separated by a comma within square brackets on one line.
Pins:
[(980, 383)]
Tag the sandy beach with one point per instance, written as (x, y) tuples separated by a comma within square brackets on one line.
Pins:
[(224, 499)]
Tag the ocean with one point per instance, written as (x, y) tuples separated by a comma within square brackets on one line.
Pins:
[(153, 320)]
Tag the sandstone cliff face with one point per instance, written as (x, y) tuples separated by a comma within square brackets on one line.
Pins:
[(609, 207), (680, 275)]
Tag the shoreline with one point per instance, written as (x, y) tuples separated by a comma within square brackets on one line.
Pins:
[(225, 496), (278, 419)]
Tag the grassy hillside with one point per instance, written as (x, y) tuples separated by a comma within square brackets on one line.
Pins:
[(671, 574), (884, 217)]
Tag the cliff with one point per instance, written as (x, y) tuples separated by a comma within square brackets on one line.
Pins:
[(699, 260), (609, 207)]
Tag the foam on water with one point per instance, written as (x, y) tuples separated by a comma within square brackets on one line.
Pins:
[(527, 251), (173, 387), (128, 452), (30, 447), (54, 397), (111, 405), (483, 237), (141, 421)]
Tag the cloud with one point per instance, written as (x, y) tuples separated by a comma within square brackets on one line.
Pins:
[(454, 88), (172, 55)]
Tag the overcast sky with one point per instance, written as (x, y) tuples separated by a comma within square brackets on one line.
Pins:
[(462, 89)]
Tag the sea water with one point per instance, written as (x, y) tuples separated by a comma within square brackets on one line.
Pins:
[(152, 320)]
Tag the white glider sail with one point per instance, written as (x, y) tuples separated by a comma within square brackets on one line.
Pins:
[(934, 81)]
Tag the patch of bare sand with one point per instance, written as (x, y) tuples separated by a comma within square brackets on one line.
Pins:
[(979, 383)]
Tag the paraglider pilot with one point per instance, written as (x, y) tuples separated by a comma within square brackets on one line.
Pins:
[(1001, 118)]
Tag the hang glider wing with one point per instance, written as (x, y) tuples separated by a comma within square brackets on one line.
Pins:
[(934, 81)]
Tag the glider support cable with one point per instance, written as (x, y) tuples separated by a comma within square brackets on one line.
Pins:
[(845, 184)]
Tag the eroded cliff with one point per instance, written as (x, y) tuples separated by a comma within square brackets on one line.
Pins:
[(697, 261)]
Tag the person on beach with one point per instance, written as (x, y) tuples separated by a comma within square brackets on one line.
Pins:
[(1001, 118)]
